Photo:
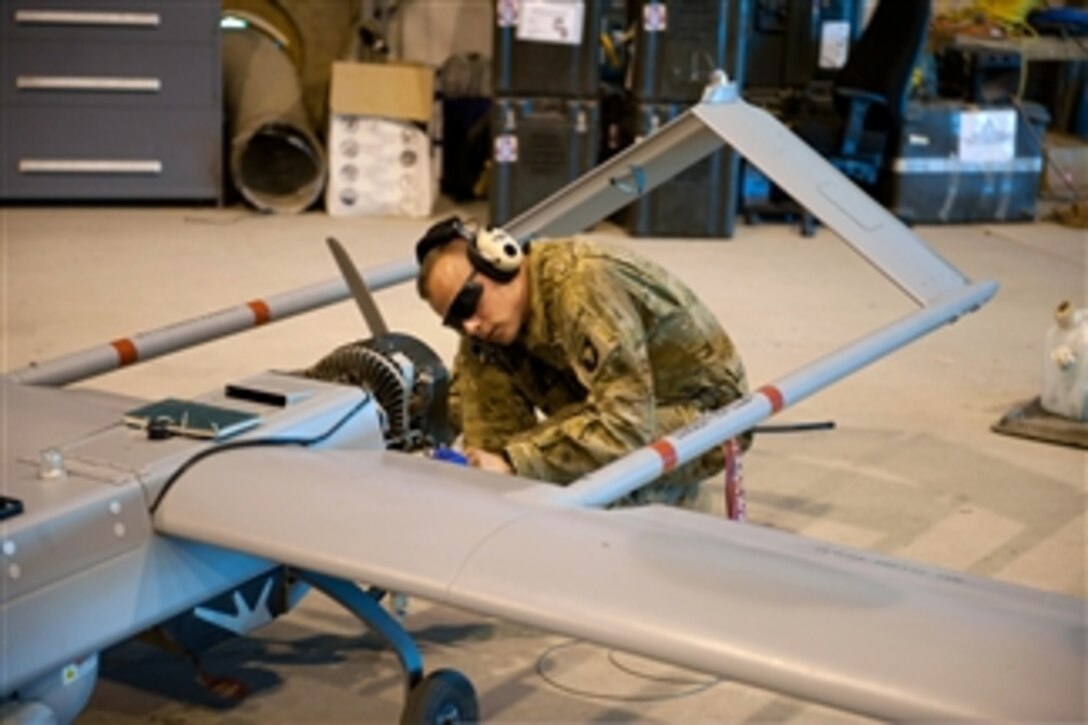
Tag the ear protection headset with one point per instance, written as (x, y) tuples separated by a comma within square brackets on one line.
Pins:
[(493, 252)]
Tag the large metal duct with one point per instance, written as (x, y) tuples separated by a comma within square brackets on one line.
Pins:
[(276, 161)]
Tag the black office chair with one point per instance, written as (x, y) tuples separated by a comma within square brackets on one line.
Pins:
[(869, 94)]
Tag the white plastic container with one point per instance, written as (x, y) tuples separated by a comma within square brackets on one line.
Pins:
[(1065, 364)]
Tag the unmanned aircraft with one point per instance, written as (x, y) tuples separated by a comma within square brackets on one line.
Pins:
[(192, 525)]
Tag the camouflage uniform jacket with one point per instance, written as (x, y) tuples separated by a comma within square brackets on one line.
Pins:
[(615, 353)]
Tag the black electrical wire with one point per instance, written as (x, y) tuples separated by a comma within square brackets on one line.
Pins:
[(258, 443), (795, 427)]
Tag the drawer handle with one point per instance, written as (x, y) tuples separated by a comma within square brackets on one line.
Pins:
[(79, 17), (89, 83), (81, 166)]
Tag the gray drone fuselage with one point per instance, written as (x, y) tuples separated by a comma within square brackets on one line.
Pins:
[(82, 562)]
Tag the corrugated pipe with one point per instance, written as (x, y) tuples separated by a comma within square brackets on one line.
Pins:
[(276, 162)]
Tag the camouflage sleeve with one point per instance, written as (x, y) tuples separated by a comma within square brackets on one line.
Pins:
[(490, 407), (602, 336)]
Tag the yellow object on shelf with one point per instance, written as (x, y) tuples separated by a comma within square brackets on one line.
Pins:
[(1009, 11)]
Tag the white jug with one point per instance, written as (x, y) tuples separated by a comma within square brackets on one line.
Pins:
[(1065, 364)]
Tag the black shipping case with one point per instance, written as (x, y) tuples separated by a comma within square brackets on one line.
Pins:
[(466, 136), (1063, 89), (465, 124), (539, 145), (678, 43), (533, 58), (958, 162), (979, 74), (791, 43), (701, 201)]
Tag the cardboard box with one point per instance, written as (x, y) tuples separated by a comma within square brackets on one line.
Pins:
[(383, 160)]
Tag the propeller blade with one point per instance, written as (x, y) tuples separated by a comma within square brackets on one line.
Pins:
[(358, 288)]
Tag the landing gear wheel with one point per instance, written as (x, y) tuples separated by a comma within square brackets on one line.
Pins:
[(444, 697)]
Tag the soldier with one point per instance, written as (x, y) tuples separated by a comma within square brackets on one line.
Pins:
[(573, 354)]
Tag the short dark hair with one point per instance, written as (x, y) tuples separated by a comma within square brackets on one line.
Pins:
[(430, 259), (441, 234)]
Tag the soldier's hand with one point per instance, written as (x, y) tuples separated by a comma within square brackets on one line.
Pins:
[(487, 461)]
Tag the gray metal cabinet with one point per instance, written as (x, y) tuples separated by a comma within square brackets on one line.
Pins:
[(110, 100)]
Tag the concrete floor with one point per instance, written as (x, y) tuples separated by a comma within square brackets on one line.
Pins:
[(912, 468)]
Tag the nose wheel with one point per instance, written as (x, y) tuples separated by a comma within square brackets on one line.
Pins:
[(444, 697)]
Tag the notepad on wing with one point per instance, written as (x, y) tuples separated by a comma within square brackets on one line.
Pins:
[(193, 419)]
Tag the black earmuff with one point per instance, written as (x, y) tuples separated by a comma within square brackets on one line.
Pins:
[(493, 252)]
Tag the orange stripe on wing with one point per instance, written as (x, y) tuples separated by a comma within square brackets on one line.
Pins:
[(774, 395), (667, 453), (126, 351), (261, 313)]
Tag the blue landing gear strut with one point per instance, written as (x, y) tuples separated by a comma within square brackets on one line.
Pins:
[(444, 697)]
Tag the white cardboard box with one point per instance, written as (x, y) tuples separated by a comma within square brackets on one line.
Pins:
[(382, 157)]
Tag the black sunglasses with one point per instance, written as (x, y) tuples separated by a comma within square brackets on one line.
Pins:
[(464, 304)]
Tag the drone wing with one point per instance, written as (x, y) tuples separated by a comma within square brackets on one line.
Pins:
[(844, 627)]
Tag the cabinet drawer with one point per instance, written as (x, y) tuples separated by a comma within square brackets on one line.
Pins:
[(103, 153), (111, 21), (93, 74)]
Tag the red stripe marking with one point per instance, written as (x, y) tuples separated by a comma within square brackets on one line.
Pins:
[(773, 394), (126, 351), (667, 453), (261, 313)]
